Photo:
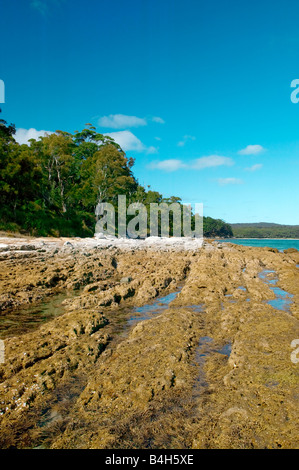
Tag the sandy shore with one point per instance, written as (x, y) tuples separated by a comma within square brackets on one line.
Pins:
[(156, 344)]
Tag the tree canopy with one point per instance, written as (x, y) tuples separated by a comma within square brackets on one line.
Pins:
[(52, 185)]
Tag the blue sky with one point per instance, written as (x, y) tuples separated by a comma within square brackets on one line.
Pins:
[(198, 92)]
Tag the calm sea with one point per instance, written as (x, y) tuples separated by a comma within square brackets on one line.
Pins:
[(279, 243)]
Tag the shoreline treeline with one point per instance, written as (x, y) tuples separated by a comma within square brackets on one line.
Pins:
[(51, 187), (265, 230)]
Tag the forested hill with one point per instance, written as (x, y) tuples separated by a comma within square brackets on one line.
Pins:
[(52, 186), (265, 230)]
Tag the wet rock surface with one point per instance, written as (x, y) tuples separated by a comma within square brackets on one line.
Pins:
[(147, 347)]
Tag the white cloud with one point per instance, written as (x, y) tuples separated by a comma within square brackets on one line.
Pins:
[(211, 161), (158, 120), (121, 121), (167, 165), (225, 181), (255, 167), (151, 149), (129, 142), (185, 139), (22, 136), (251, 150), (198, 164)]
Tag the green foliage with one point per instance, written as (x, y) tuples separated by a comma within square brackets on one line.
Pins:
[(265, 230), (52, 186), (216, 228)]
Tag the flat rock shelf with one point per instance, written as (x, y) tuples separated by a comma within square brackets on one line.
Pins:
[(159, 345)]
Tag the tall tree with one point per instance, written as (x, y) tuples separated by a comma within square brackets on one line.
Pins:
[(106, 175)]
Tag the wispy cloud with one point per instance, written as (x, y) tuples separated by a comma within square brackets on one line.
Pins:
[(211, 161), (43, 6), (129, 142), (22, 136), (197, 164), (124, 121), (39, 5), (255, 167), (121, 121), (226, 181), (185, 139), (167, 165), (158, 120), (251, 150)]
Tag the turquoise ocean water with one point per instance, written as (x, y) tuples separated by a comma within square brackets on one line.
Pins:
[(279, 243)]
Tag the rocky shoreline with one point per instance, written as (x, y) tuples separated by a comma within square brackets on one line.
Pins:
[(211, 369)]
